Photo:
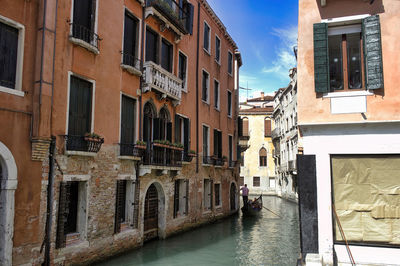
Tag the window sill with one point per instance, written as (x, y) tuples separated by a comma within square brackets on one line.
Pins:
[(218, 63), (347, 94), (76, 247), (207, 52), (12, 91), (131, 70), (85, 45), (217, 109), (184, 90), (205, 102), (230, 74), (81, 153), (186, 163), (132, 158), (129, 232)]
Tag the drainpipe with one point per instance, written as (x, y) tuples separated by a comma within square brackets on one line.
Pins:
[(50, 194), (141, 70), (197, 87)]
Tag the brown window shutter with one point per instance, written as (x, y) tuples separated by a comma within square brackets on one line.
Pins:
[(245, 127), (187, 197), (136, 206), (267, 127), (176, 198), (62, 215), (120, 205)]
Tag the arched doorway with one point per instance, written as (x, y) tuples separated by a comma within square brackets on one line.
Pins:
[(233, 195), (8, 185)]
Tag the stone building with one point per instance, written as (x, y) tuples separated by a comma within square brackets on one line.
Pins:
[(348, 115), (257, 164), (285, 138), (119, 125)]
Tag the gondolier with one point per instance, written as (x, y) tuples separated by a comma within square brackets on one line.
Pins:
[(245, 195)]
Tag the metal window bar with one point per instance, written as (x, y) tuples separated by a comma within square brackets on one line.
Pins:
[(172, 10), (130, 60), (85, 34), (81, 143), (129, 149), (163, 156), (208, 160)]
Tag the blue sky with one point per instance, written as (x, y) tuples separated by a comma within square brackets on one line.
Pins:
[(265, 32)]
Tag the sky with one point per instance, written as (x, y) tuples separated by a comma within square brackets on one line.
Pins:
[(265, 32)]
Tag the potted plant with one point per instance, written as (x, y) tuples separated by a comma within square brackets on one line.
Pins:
[(141, 144), (192, 153), (224, 158), (177, 146), (93, 137)]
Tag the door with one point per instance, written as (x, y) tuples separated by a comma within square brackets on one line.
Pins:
[(151, 209), (233, 197)]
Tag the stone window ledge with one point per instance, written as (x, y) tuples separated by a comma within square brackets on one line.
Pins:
[(131, 70), (85, 45), (81, 153), (132, 158), (74, 248), (12, 91), (130, 232), (347, 94)]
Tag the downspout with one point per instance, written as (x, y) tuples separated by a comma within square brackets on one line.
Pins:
[(197, 87), (141, 70)]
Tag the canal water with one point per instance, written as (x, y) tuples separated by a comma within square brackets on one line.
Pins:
[(237, 240)]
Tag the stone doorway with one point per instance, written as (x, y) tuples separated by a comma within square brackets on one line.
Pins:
[(154, 212)]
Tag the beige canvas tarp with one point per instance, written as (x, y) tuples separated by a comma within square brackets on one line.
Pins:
[(366, 191)]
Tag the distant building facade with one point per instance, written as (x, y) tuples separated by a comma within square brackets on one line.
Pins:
[(257, 165), (285, 138)]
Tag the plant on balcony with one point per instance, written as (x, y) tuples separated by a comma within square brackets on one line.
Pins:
[(224, 158), (177, 146), (162, 143), (192, 153), (93, 137), (141, 144)]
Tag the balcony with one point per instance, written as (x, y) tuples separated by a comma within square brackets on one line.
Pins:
[(130, 150), (170, 13), (231, 163), (244, 143), (82, 144), (159, 79), (131, 64), (219, 161), (85, 38), (208, 160), (275, 133), (162, 155), (292, 166)]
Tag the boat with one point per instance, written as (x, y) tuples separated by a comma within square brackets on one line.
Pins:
[(253, 207)]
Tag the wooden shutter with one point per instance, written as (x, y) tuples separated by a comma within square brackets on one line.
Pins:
[(215, 142), (169, 131), (186, 137), (186, 197), (267, 128), (189, 19), (176, 198), (151, 46), (372, 52), (62, 214), (211, 193), (136, 205), (130, 28), (128, 120), (321, 57), (245, 124), (8, 55), (219, 144), (80, 107), (120, 205), (177, 132), (156, 128), (205, 141), (240, 126)]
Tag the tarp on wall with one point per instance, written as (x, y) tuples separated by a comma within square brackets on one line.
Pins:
[(366, 192)]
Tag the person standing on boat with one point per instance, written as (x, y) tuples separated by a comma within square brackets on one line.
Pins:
[(245, 195)]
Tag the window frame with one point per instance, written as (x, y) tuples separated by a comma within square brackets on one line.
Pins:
[(230, 63), (207, 101), (122, 94), (254, 181), (229, 107), (208, 51), (20, 57), (219, 50), (184, 87)]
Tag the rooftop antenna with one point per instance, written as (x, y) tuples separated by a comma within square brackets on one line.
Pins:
[(246, 89)]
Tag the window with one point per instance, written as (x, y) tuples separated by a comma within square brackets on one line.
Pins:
[(272, 183), (229, 103), (230, 62), (71, 224), (182, 69), (163, 129), (151, 46), (166, 55), (84, 21), (130, 54), (230, 151), (217, 192), (128, 126), (205, 86), (256, 181), (217, 49), (149, 122), (242, 159), (267, 127), (205, 145), (217, 143), (263, 157), (206, 37), (181, 197), (207, 194), (216, 94), (10, 72), (345, 55), (80, 113), (182, 132), (126, 206), (241, 181), (245, 127)]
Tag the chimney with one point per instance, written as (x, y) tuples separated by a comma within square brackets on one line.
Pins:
[(262, 96)]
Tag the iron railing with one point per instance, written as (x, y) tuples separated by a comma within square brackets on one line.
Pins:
[(208, 160), (82, 143), (186, 157), (219, 161), (130, 60), (292, 165), (82, 33), (162, 156), (128, 149), (172, 11), (231, 163)]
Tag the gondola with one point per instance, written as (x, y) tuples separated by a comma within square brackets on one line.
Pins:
[(253, 207)]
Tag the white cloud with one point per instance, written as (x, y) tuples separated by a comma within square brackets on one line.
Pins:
[(285, 59)]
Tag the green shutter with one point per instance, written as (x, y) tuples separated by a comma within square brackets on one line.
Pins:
[(321, 57), (372, 52)]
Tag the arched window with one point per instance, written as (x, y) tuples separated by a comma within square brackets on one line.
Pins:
[(148, 117), (263, 157), (165, 125)]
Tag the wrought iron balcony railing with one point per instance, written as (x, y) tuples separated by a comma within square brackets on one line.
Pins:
[(231, 163), (162, 156), (208, 160), (82, 143), (219, 161), (130, 60), (155, 77), (127, 149), (82, 33), (186, 157), (172, 11)]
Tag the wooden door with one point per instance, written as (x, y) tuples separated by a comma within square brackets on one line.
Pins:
[(151, 209)]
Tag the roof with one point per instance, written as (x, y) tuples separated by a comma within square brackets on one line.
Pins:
[(266, 98), (257, 110)]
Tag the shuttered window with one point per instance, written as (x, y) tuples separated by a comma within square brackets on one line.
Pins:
[(263, 157), (84, 19), (229, 103), (267, 127), (8, 55), (205, 86), (130, 40), (343, 55), (181, 197), (205, 141), (151, 45), (128, 118), (230, 62), (80, 107), (217, 49), (166, 55), (206, 37), (120, 205), (230, 139), (176, 198), (182, 69), (245, 127), (216, 94), (217, 143), (217, 190), (186, 135), (256, 181), (189, 9)]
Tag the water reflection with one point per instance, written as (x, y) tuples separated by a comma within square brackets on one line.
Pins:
[(264, 240)]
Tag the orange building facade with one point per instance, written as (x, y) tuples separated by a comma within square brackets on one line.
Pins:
[(348, 117), (120, 125)]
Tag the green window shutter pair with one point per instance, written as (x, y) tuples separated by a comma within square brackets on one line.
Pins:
[(371, 33)]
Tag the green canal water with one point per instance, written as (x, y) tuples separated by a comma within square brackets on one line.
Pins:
[(264, 240)]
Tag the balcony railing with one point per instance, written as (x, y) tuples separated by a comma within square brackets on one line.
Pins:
[(82, 143), (219, 161), (172, 11), (186, 157), (155, 77), (275, 133), (292, 165), (231, 163), (82, 33), (127, 149), (162, 155), (208, 160), (130, 60)]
